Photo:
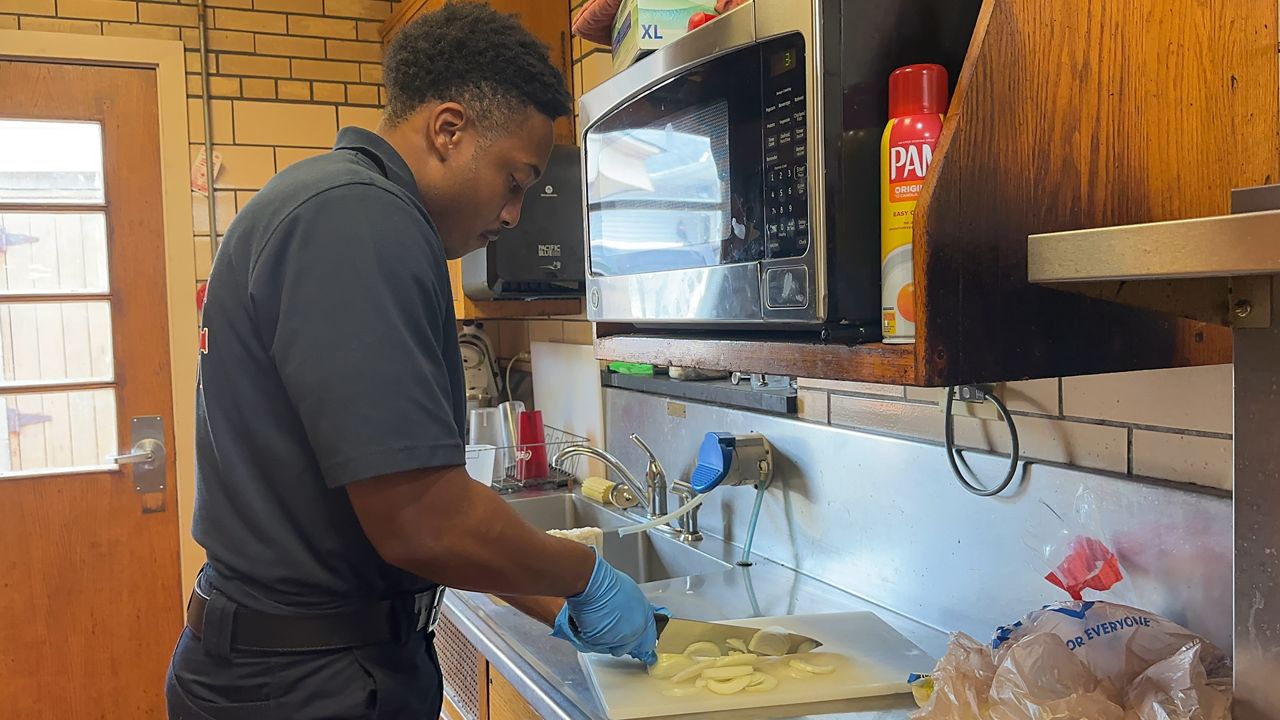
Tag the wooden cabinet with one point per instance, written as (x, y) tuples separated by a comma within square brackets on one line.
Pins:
[(498, 700), (505, 703), (1065, 116), (549, 21), (474, 690)]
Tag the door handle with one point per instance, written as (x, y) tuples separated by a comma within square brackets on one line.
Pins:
[(148, 457), (145, 453)]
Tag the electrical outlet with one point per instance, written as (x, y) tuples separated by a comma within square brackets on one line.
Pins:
[(979, 411)]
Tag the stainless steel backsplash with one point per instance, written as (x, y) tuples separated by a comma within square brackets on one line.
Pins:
[(884, 518)]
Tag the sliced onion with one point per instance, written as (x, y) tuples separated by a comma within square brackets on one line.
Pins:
[(668, 665), (727, 673), (799, 674), (736, 644), (682, 691), (770, 641), (703, 650), (736, 660), (811, 667), (762, 682), (692, 671), (700, 682), (728, 687)]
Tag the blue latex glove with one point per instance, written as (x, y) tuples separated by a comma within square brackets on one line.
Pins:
[(611, 617)]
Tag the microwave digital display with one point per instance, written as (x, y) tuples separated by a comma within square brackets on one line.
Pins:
[(782, 62)]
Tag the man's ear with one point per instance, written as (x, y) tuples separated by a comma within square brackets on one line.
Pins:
[(445, 125)]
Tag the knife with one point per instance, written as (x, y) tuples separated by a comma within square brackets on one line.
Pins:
[(675, 635)]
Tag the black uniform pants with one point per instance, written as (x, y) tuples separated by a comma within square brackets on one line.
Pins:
[(374, 682)]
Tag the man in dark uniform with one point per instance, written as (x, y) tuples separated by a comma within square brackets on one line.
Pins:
[(331, 496)]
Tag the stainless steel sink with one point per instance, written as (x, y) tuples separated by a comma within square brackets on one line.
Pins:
[(645, 557), (564, 511), (649, 557)]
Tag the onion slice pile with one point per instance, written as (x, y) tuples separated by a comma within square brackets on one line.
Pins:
[(737, 667)]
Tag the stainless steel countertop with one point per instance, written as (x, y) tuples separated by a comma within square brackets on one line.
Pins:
[(547, 672)]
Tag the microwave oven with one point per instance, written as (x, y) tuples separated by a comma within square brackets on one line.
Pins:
[(732, 177)]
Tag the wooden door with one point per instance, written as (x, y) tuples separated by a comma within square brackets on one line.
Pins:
[(89, 569)]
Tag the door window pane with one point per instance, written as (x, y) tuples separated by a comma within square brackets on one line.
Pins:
[(58, 431), (43, 161), (53, 252), (55, 341)]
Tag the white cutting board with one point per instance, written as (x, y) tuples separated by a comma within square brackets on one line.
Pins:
[(870, 658), (566, 388)]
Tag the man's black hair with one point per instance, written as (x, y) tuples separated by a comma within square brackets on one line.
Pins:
[(468, 52)]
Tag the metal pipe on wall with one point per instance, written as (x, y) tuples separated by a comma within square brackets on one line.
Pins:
[(202, 13)]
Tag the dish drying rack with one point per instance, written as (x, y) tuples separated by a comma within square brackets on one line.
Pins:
[(505, 481)]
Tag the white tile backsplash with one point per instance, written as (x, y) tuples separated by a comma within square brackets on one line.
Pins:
[(1199, 460), (1190, 398)]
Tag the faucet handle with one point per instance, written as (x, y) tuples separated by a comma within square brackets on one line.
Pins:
[(655, 468)]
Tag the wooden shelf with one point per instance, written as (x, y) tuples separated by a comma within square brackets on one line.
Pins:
[(873, 362), (1064, 116), (515, 309)]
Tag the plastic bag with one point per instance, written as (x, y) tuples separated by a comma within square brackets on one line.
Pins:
[(1117, 642), (1179, 687), (1074, 660), (1040, 678), (1075, 548), (961, 682)]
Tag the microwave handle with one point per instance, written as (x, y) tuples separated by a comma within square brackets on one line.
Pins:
[(734, 30)]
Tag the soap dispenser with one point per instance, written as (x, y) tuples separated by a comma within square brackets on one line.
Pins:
[(733, 460), (730, 460)]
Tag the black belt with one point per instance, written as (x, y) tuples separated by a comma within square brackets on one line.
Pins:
[(225, 625)]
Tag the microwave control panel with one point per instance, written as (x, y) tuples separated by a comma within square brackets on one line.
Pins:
[(785, 141)]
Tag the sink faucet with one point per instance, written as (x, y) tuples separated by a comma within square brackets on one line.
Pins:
[(687, 524), (652, 494)]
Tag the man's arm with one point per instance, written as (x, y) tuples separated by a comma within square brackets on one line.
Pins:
[(440, 524), (542, 609), (343, 292)]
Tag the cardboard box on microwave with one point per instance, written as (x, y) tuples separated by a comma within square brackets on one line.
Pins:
[(642, 26)]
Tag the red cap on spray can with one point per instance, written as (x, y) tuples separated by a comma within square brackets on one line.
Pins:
[(918, 90)]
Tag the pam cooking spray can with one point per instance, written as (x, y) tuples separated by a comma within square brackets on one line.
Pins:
[(917, 102)]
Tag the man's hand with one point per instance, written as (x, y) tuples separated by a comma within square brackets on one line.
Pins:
[(611, 616)]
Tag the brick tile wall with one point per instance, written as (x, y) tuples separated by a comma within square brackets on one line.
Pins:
[(285, 75), (1165, 424)]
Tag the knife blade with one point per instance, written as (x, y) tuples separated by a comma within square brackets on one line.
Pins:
[(675, 635)]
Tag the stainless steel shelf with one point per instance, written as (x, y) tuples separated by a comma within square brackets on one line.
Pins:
[(1224, 246), (1217, 269)]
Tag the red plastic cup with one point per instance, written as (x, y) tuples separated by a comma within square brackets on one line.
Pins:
[(531, 449)]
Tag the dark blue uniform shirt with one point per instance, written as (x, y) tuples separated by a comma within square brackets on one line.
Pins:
[(331, 357)]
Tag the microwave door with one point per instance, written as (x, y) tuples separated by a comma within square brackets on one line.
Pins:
[(674, 194), (674, 174)]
